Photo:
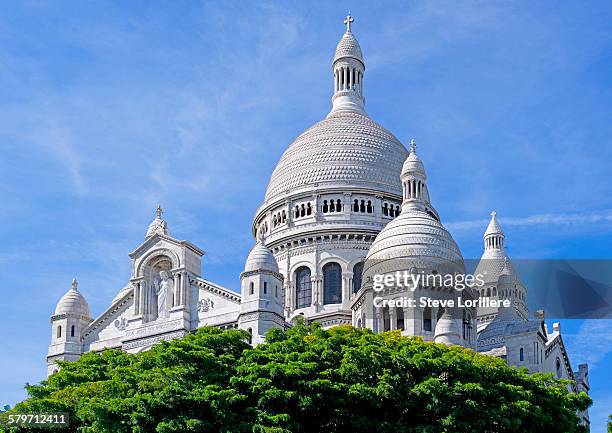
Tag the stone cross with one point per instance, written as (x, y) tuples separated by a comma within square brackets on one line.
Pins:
[(349, 19), (413, 145)]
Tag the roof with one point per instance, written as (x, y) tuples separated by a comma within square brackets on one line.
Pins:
[(73, 302)]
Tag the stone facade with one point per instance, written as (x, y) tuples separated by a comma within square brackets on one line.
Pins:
[(346, 201)]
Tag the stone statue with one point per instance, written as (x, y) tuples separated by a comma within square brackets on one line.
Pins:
[(164, 290)]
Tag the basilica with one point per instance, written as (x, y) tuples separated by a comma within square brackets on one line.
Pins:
[(346, 204)]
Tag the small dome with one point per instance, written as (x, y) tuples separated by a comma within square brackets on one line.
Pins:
[(493, 228), (414, 239), (158, 225), (260, 259), (413, 164), (447, 331), (73, 302), (348, 47)]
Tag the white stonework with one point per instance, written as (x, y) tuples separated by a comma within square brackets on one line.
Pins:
[(346, 198)]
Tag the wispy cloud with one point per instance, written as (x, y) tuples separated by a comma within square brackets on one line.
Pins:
[(567, 219)]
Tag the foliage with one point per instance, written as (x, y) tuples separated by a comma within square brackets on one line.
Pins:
[(305, 379)]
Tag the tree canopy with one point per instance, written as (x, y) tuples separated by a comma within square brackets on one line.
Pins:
[(305, 379)]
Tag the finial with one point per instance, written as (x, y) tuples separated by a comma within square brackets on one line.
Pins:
[(160, 211), (493, 215), (75, 284), (349, 19), (412, 146)]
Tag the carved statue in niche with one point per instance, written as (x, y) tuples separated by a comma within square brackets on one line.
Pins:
[(160, 286), (164, 289)]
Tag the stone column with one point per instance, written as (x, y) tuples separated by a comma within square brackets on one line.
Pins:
[(392, 318), (346, 288)]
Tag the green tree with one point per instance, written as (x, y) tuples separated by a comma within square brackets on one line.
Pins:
[(305, 379)]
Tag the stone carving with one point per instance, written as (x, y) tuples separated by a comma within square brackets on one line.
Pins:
[(205, 305), (164, 290), (121, 324)]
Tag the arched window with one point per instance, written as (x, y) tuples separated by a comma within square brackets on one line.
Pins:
[(338, 206), (385, 209), (265, 287), (59, 331), (369, 207), (325, 207), (332, 283), (308, 209), (251, 288), (521, 355), (386, 319), (303, 289), (427, 325), (355, 206), (399, 314), (362, 208), (467, 325), (332, 206), (357, 271), (72, 331)]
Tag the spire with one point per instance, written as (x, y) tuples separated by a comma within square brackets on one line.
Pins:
[(348, 67), (75, 285), (158, 225), (494, 235)]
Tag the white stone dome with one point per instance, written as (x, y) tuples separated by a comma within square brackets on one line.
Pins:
[(345, 149), (348, 47), (413, 240), (259, 259), (73, 302)]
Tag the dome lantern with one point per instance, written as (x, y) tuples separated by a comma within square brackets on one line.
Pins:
[(413, 177), (494, 235), (348, 67)]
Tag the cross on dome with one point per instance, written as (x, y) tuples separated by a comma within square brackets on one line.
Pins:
[(349, 19), (160, 211), (75, 284), (493, 214)]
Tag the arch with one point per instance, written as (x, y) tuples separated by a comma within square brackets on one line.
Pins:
[(399, 316), (521, 355), (155, 255), (325, 208), (356, 206), (357, 273), (362, 207), (303, 287), (386, 318), (369, 208), (332, 283), (308, 209), (338, 205), (427, 322)]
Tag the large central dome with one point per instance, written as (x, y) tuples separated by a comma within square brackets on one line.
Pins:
[(346, 148)]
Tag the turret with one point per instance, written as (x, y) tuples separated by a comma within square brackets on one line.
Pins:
[(262, 305), (348, 67), (71, 317)]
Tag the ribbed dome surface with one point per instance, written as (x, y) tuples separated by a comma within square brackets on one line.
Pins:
[(73, 302), (260, 258), (346, 148), (413, 240), (348, 47)]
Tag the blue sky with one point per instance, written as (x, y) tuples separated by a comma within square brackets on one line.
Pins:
[(107, 109)]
